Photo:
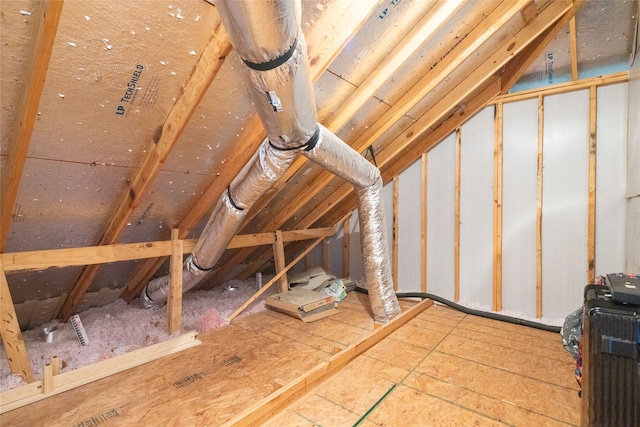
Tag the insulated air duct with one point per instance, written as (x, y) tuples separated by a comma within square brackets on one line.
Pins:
[(268, 38)]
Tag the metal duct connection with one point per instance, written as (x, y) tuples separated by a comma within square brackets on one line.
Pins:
[(268, 38)]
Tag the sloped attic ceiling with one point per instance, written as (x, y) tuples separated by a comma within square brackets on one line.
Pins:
[(142, 121)]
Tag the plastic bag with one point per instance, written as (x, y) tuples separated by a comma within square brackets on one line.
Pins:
[(571, 331), (336, 290)]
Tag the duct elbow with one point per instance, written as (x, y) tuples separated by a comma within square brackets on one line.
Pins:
[(145, 299)]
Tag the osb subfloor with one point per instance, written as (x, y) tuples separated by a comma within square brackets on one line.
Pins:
[(442, 368)]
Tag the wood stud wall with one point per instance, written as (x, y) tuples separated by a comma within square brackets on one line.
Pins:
[(592, 85)]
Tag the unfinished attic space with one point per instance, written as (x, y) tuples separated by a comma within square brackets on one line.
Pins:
[(323, 213)]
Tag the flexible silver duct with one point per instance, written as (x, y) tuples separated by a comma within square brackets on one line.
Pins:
[(337, 157), (267, 36)]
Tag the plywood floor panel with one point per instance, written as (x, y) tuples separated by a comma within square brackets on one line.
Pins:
[(518, 362), (478, 402), (532, 345), (556, 402), (444, 368), (406, 406)]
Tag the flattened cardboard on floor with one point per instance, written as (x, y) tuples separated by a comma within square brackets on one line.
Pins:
[(303, 304)]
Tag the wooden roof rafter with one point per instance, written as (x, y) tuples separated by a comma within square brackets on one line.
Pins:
[(47, 17)]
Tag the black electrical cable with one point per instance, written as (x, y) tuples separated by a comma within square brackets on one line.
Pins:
[(467, 310)]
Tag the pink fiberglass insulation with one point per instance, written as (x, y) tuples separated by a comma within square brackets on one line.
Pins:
[(118, 328)]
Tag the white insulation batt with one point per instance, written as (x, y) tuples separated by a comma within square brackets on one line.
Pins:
[(520, 165), (441, 167), (564, 205), (565, 201)]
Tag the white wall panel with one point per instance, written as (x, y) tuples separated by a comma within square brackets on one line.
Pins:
[(633, 183), (440, 216), (336, 253), (519, 192), (356, 268), (409, 214), (565, 202), (476, 209), (611, 176)]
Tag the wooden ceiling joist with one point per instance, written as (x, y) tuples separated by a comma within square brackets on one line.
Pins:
[(205, 71), (69, 257), (345, 27), (46, 16)]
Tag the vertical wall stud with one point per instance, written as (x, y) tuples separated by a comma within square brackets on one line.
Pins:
[(456, 220), (279, 260), (55, 365), (591, 236), (394, 249), (497, 208), (423, 226), (174, 302), (539, 207), (47, 379)]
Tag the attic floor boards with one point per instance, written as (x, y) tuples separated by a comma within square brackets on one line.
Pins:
[(448, 369)]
